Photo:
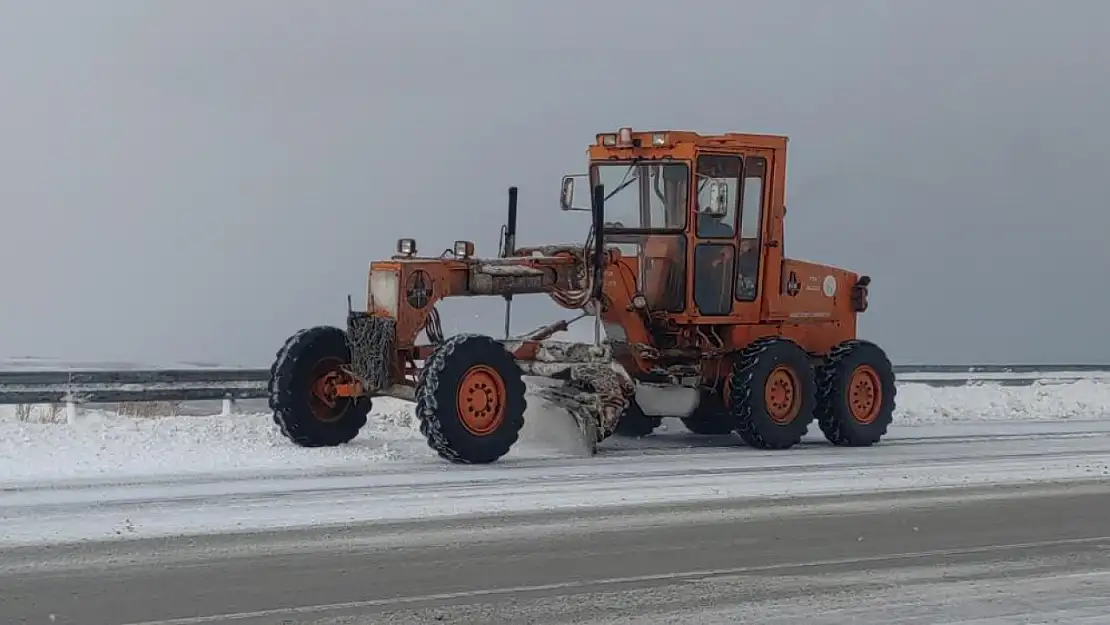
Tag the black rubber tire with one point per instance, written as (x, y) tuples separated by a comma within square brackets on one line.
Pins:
[(290, 389), (634, 423), (437, 392), (750, 372), (834, 415), (710, 418)]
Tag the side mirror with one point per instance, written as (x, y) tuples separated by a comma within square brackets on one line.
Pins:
[(718, 199), (566, 195)]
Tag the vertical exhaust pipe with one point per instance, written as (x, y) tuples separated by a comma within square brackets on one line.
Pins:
[(509, 250), (510, 225), (597, 208)]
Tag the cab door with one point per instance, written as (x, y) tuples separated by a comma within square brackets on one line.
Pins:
[(728, 254), (714, 251), (752, 251)]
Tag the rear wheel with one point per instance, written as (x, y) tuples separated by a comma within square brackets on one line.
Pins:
[(634, 423), (773, 393), (303, 381), (711, 417), (857, 392), (470, 400)]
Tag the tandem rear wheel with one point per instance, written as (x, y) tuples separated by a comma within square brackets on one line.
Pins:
[(856, 394), (772, 393), (775, 393), (710, 417), (633, 423)]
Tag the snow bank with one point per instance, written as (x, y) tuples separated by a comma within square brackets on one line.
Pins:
[(105, 445), (102, 444), (1081, 399)]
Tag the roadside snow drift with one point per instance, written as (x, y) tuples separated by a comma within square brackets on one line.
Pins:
[(104, 445)]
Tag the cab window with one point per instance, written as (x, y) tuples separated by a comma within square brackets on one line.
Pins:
[(751, 221), (719, 167)]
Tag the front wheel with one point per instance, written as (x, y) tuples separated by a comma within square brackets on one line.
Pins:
[(303, 381), (470, 400)]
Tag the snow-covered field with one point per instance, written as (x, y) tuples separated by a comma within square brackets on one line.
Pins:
[(103, 445)]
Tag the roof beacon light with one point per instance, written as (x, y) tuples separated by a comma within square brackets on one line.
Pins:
[(625, 137)]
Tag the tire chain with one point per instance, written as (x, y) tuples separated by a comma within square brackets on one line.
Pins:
[(370, 339), (427, 408)]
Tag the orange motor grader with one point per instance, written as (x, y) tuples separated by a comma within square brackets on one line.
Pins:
[(683, 273)]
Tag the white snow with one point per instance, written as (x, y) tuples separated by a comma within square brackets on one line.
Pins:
[(1067, 375), (103, 445), (936, 459), (111, 477), (1081, 399)]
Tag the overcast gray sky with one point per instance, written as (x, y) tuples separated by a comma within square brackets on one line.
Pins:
[(197, 180)]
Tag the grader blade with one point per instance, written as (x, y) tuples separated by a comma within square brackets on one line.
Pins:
[(595, 390), (586, 421)]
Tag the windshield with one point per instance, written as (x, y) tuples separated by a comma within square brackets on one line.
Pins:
[(645, 195)]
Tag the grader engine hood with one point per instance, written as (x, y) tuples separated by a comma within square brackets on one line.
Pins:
[(408, 289), (418, 283)]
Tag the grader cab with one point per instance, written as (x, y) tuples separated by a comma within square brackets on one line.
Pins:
[(683, 272)]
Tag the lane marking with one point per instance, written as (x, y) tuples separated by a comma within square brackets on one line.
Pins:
[(613, 581)]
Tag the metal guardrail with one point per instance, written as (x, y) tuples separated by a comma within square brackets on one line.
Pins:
[(196, 384), (96, 387)]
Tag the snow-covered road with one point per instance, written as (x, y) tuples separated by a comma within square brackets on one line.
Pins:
[(979, 494), (104, 446), (109, 477)]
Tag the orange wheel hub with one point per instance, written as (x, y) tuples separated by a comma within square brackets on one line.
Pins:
[(780, 394), (480, 400), (325, 403), (865, 394)]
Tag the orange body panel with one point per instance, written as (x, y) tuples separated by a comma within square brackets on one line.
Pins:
[(420, 283)]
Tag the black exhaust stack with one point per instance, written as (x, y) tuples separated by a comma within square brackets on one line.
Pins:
[(509, 249), (510, 226), (597, 208)]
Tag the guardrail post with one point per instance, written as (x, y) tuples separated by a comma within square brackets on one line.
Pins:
[(71, 412), (228, 407)]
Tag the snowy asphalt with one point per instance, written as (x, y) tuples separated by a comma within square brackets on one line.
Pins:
[(1038, 552), (952, 519)]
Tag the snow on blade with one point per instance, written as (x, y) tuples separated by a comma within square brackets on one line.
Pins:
[(103, 445)]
